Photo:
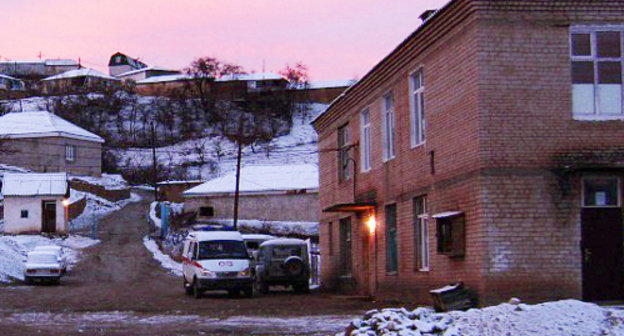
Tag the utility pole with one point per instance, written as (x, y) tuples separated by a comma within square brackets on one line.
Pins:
[(238, 168), (154, 172)]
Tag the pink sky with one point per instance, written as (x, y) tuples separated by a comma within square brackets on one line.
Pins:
[(336, 39)]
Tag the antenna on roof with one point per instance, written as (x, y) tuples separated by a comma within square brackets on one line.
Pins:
[(427, 14)]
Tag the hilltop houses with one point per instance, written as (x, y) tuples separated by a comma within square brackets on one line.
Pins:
[(486, 148)]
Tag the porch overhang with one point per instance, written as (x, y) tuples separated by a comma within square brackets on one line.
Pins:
[(352, 207), (447, 214)]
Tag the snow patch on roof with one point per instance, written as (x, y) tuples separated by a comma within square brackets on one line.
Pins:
[(258, 179), (330, 84), (31, 184), (37, 124), (251, 77), (149, 68), (165, 78), (85, 72)]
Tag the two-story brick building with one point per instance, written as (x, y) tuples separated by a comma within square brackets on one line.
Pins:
[(489, 149)]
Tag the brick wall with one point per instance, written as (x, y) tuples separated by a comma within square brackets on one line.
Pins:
[(499, 122)]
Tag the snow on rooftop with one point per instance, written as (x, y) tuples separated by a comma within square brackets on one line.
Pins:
[(37, 124), (216, 235), (61, 62), (258, 179), (251, 77), (9, 77), (164, 79), (331, 84), (85, 72), (31, 184), (283, 241), (149, 68)]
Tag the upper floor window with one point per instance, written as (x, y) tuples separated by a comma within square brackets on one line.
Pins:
[(343, 153), (70, 153), (417, 108), (596, 55), (388, 127), (365, 141)]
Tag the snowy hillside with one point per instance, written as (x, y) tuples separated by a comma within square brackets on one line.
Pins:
[(299, 146)]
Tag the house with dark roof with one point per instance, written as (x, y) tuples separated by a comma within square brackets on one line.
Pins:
[(78, 80), (44, 142), (487, 148), (120, 63)]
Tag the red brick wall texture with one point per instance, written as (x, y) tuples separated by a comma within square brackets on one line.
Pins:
[(499, 121)]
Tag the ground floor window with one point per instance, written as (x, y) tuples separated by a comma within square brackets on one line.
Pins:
[(206, 211), (392, 258), (451, 232)]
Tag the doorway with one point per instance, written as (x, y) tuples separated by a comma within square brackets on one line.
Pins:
[(48, 216), (601, 239), (345, 246)]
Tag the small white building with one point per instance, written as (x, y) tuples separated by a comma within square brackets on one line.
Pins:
[(35, 202)]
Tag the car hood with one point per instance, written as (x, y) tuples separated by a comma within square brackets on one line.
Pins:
[(224, 265)]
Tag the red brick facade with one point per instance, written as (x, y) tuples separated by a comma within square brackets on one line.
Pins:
[(502, 146)]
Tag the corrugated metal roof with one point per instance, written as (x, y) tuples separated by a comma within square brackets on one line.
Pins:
[(42, 184), (38, 124)]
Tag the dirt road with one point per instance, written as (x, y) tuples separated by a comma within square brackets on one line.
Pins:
[(118, 289)]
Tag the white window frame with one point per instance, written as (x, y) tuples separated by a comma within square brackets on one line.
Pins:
[(597, 177), (418, 120), (423, 244), (70, 153), (365, 141), (592, 30), (388, 128)]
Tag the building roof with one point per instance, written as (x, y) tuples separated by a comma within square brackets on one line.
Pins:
[(149, 68), (40, 124), (326, 84), (251, 77), (10, 78), (30, 184), (261, 179), (49, 62), (164, 79), (125, 60), (84, 72)]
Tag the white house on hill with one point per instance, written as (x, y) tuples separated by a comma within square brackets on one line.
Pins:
[(45, 142), (35, 202), (270, 193)]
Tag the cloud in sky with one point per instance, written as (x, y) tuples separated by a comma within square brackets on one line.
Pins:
[(336, 39)]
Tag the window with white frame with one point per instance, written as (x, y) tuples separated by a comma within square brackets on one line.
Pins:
[(70, 153), (365, 140), (596, 61), (421, 233), (417, 107), (388, 127), (343, 153)]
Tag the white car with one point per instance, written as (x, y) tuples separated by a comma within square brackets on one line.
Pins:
[(216, 260), (58, 250), (42, 266)]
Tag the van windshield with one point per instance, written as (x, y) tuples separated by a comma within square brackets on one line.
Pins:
[(220, 249)]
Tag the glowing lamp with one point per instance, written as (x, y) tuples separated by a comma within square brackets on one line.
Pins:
[(372, 224), (66, 202)]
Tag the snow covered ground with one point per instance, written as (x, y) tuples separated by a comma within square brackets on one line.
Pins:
[(97, 207), (13, 250), (566, 317), (165, 261)]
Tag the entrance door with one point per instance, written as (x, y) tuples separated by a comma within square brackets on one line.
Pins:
[(48, 220), (601, 240), (345, 246)]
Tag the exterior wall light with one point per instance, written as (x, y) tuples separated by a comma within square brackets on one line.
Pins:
[(66, 202), (371, 223)]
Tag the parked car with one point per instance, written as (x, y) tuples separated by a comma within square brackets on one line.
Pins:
[(42, 266), (283, 262), (58, 250), (216, 260)]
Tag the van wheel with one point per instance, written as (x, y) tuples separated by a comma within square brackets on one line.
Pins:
[(301, 287), (197, 293), (188, 289), (248, 291), (264, 287)]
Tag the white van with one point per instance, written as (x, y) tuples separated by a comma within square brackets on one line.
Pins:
[(216, 260)]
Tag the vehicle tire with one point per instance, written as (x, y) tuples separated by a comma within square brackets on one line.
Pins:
[(301, 287), (233, 292), (263, 286), (188, 288), (248, 291), (197, 292), (28, 280)]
